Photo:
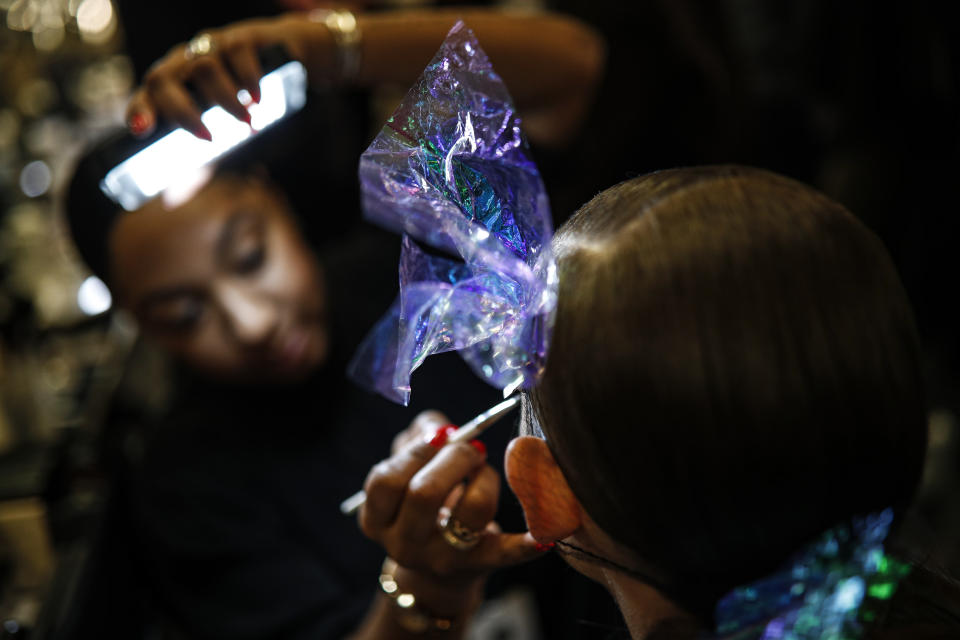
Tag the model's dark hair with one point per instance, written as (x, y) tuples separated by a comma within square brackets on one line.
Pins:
[(734, 369)]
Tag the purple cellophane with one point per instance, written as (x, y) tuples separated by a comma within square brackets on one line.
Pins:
[(451, 170)]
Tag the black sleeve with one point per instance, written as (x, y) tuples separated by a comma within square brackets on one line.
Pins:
[(223, 563)]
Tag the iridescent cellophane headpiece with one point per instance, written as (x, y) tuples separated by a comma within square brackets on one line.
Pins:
[(834, 588), (451, 169)]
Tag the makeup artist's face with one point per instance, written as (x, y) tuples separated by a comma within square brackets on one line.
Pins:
[(224, 282)]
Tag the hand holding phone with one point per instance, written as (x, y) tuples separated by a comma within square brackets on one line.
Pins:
[(172, 154), (210, 70)]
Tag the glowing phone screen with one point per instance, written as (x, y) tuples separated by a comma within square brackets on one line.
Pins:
[(178, 155)]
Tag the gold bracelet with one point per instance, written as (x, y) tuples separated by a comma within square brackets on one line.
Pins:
[(345, 29), (410, 616)]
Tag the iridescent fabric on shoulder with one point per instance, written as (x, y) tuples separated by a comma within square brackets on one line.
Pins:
[(830, 589)]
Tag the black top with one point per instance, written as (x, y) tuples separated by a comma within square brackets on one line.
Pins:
[(238, 512)]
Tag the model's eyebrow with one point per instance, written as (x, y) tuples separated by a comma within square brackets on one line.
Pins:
[(229, 231)]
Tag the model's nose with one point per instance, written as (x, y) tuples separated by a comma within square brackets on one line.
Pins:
[(251, 318)]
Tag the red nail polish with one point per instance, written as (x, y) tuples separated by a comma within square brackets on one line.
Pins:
[(440, 437), (479, 446), (247, 118), (204, 133), (545, 546), (255, 95), (138, 123)]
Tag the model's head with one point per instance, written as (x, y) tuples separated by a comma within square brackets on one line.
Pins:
[(734, 369), (223, 279)]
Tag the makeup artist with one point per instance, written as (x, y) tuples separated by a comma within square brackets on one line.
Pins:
[(235, 501)]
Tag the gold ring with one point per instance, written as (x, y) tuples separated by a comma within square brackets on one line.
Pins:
[(458, 536), (200, 45)]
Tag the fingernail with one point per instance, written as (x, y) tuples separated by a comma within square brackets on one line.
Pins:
[(440, 437), (545, 546), (479, 446), (255, 95), (203, 132), (247, 118), (138, 123)]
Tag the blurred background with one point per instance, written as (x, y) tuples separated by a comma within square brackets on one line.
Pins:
[(861, 103), (64, 79)]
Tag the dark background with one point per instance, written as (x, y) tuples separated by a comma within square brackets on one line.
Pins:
[(857, 98)]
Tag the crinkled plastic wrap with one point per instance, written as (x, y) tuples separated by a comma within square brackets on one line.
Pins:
[(451, 170)]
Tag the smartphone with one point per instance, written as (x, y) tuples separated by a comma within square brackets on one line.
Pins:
[(148, 166)]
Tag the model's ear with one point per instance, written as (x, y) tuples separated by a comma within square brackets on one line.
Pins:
[(551, 509)]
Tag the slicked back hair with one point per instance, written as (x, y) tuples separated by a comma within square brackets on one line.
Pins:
[(734, 369)]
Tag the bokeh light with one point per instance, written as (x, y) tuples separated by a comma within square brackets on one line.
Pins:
[(35, 179), (96, 21), (93, 296), (23, 14)]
